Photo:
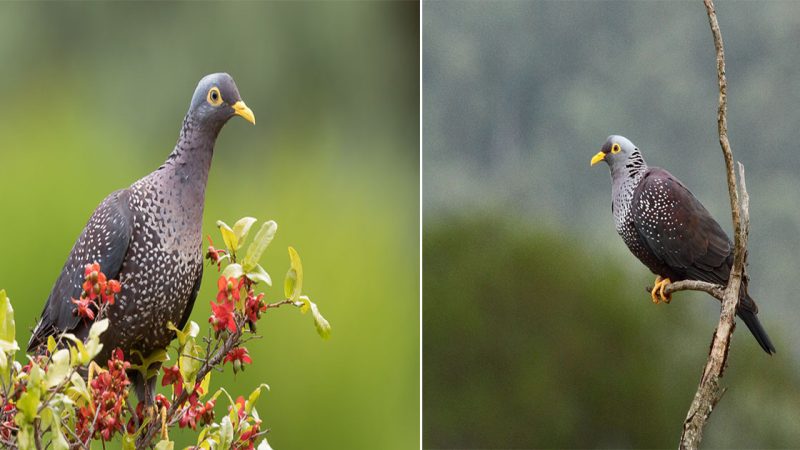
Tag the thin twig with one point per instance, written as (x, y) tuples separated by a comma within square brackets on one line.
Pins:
[(75, 437), (715, 290), (37, 437), (709, 391), (215, 359)]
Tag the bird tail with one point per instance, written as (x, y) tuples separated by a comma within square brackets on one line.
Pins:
[(747, 311)]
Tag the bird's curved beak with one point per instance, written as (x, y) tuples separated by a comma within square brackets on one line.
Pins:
[(240, 109), (596, 158)]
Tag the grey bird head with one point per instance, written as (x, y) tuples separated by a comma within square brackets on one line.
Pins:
[(615, 152), (216, 100)]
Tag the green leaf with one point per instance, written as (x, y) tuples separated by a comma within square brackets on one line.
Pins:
[(58, 369), (253, 398), (225, 433), (27, 405), (165, 445), (8, 342), (51, 419), (241, 228), (223, 391), (189, 363), (147, 367), (205, 384), (293, 284), (231, 241), (192, 329), (25, 436), (29, 401), (51, 344), (128, 441), (58, 440), (258, 274), (46, 417), (76, 348), (233, 270), (323, 326), (202, 436), (93, 345), (77, 388), (305, 304), (8, 346), (98, 328), (264, 236), (206, 444), (7, 326)]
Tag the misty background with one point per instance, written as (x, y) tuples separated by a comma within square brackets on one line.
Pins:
[(537, 329), (93, 97)]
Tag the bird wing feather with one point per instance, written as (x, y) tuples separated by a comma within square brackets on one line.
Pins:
[(190, 305), (679, 231), (105, 240)]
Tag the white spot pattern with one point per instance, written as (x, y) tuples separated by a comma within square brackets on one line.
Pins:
[(160, 219)]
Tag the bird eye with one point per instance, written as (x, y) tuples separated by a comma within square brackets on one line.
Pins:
[(615, 148), (214, 97)]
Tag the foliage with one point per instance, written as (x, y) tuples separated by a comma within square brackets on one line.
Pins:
[(559, 340), (62, 397)]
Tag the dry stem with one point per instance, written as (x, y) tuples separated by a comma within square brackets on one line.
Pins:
[(709, 391)]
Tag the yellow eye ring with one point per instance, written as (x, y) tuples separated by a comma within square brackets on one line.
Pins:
[(214, 98), (615, 148)]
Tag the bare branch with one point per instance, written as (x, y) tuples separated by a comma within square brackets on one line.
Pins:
[(714, 290), (709, 391)]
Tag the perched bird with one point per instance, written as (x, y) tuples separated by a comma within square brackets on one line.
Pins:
[(669, 230), (148, 237)]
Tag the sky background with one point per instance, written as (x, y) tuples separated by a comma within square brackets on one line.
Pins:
[(525, 279), (94, 95)]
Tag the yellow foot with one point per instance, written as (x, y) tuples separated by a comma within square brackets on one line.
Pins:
[(164, 435), (657, 294)]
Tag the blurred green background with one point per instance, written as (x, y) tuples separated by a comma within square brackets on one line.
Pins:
[(537, 331), (93, 98)]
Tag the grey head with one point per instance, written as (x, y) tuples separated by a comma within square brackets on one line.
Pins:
[(215, 101), (623, 158)]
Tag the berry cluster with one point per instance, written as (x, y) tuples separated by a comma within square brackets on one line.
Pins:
[(253, 307), (102, 417), (238, 357), (216, 256), (223, 317), (97, 291)]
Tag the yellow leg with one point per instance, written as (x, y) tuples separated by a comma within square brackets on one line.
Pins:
[(665, 298), (660, 284), (164, 435)]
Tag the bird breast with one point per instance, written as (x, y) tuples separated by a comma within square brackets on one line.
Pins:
[(163, 263)]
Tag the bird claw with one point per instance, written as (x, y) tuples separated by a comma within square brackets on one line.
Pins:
[(657, 294)]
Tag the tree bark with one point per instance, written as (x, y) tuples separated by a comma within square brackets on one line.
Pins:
[(709, 391)]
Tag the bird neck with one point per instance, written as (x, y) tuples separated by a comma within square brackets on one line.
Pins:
[(191, 158), (185, 172), (625, 177), (633, 168)]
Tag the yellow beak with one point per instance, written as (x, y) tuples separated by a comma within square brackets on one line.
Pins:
[(598, 157), (240, 109)]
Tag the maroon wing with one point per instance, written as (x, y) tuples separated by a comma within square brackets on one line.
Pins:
[(679, 231)]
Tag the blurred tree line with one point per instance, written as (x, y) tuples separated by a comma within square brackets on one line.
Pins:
[(533, 341), (537, 329)]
